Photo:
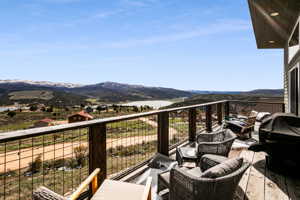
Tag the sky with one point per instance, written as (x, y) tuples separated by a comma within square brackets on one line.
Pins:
[(183, 44)]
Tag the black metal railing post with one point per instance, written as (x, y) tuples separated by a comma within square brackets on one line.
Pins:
[(163, 133), (283, 108), (97, 150), (226, 110), (192, 124), (208, 118), (220, 113)]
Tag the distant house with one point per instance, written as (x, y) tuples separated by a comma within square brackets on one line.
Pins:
[(79, 117), (44, 123)]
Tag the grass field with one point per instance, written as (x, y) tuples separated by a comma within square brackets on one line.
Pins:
[(18, 185)]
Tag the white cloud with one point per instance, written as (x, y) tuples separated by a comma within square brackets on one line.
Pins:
[(221, 26), (106, 14), (59, 1), (138, 3)]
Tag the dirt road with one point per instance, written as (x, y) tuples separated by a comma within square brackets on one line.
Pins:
[(15, 160)]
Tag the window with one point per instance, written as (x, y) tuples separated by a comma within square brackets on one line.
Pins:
[(294, 90), (294, 46)]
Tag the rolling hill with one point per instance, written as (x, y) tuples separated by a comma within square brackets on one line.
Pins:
[(274, 92), (244, 96), (70, 94)]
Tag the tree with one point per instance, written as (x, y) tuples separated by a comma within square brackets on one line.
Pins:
[(100, 108), (135, 109), (33, 108), (50, 109), (36, 165), (11, 113)]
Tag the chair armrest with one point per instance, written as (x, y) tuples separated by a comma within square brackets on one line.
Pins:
[(181, 182), (92, 178), (204, 137), (208, 161), (43, 193), (247, 129), (147, 191)]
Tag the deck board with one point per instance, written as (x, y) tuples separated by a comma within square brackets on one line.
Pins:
[(275, 187), (259, 183), (240, 193), (293, 188), (256, 183)]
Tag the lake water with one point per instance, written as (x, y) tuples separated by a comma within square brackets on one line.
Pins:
[(2, 109), (155, 104)]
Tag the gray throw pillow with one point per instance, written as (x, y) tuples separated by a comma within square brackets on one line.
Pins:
[(195, 172), (227, 167)]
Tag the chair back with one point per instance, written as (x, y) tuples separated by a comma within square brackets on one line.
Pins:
[(186, 186)]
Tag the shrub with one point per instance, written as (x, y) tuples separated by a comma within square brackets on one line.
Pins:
[(8, 173), (80, 154), (58, 163), (71, 163), (33, 108), (135, 109), (36, 165), (50, 109), (11, 114)]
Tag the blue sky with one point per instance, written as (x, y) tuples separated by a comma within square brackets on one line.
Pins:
[(191, 44)]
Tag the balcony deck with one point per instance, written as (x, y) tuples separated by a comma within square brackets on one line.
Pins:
[(121, 146)]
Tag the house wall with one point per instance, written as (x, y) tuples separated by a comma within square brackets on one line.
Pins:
[(41, 124), (77, 118), (287, 67)]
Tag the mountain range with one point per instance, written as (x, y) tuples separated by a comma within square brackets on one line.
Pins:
[(21, 91), (69, 94)]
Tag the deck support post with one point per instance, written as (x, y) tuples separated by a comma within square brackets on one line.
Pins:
[(208, 118), (97, 151), (163, 133), (192, 124)]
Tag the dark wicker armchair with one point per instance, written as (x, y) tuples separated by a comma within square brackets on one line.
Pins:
[(218, 143), (185, 186)]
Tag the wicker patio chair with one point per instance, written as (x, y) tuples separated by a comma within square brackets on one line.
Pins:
[(43, 193), (218, 143), (185, 186), (207, 161), (244, 126)]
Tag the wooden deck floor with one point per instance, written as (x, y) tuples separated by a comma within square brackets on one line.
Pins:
[(259, 183)]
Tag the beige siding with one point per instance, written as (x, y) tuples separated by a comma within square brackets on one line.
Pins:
[(285, 85)]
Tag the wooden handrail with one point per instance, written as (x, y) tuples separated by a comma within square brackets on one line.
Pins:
[(92, 178), (147, 191), (257, 102)]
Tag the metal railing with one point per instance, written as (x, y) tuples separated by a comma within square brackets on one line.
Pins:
[(60, 157)]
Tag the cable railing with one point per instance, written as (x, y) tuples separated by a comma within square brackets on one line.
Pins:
[(60, 157)]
